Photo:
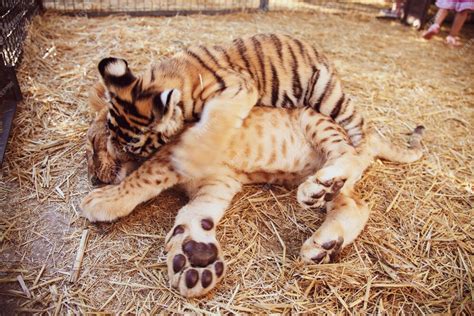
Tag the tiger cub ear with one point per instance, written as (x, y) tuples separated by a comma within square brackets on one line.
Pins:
[(165, 102), (115, 72)]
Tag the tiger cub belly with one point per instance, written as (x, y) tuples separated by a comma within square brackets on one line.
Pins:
[(271, 141)]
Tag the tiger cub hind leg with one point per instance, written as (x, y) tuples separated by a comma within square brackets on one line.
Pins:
[(346, 214), (346, 218), (340, 165), (194, 257)]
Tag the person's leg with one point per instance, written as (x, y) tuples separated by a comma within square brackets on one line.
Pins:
[(440, 16), (458, 23), (434, 28)]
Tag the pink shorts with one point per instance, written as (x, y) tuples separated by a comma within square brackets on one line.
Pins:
[(457, 5)]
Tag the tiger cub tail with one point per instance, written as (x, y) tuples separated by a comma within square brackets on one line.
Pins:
[(384, 149)]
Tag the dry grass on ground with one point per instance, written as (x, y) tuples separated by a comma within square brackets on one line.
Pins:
[(415, 254)]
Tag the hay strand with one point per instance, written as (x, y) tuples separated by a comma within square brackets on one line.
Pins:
[(414, 257), (79, 256), (23, 286)]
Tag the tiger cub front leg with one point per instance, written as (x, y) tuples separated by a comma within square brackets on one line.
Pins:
[(195, 263), (108, 203), (200, 146), (341, 164), (346, 218)]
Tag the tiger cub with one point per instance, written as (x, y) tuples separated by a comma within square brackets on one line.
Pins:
[(283, 146), (266, 69)]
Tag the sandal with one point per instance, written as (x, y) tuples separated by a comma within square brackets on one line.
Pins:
[(432, 31), (453, 41)]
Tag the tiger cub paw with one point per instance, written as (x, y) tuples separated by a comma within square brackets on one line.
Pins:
[(315, 192), (195, 265), (317, 250), (104, 205)]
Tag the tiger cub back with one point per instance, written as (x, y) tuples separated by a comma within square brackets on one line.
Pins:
[(285, 72)]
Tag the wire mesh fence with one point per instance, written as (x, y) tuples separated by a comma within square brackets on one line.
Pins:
[(173, 7), (151, 7), (14, 16)]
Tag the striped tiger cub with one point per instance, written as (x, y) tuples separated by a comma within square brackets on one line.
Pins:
[(295, 147), (272, 70)]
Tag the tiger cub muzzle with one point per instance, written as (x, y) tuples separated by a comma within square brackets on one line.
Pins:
[(106, 162)]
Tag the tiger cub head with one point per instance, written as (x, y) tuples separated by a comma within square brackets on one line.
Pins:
[(143, 112), (106, 162)]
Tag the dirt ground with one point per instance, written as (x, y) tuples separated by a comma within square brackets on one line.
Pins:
[(415, 255)]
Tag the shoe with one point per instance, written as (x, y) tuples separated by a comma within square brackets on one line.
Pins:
[(388, 14), (432, 31), (453, 41)]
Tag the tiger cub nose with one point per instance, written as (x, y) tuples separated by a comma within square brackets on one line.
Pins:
[(96, 181)]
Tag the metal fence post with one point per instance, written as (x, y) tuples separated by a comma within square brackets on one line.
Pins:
[(264, 5), (40, 6)]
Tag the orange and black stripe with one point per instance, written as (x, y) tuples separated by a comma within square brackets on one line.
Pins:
[(285, 71)]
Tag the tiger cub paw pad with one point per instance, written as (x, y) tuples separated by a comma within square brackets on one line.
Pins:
[(326, 252), (315, 193), (194, 267)]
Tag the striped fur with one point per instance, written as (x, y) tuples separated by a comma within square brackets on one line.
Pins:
[(284, 146), (285, 71)]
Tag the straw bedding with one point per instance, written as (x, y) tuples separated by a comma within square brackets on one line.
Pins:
[(414, 256)]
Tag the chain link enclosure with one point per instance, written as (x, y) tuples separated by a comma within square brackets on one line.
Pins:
[(14, 17)]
